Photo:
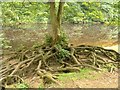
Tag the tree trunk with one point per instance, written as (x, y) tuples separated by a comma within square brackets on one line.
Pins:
[(56, 20), (59, 14)]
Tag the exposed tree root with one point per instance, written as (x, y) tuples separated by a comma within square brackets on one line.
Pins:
[(47, 77), (10, 79), (36, 60)]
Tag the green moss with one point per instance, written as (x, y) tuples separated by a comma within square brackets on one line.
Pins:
[(85, 73), (22, 86)]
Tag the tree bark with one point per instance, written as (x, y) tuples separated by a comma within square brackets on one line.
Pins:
[(59, 14), (56, 20)]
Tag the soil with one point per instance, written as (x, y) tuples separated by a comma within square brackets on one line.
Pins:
[(105, 80), (96, 35), (101, 80)]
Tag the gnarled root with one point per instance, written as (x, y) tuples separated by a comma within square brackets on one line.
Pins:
[(47, 77), (10, 79), (81, 56)]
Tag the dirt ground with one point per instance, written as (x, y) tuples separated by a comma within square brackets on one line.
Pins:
[(106, 80), (95, 38), (96, 35), (91, 80)]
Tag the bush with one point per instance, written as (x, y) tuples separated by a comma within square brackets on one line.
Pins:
[(62, 52), (48, 39)]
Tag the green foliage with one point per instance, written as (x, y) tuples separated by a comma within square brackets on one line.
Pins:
[(22, 86), (15, 13), (62, 52), (48, 39), (63, 40), (91, 12), (5, 44), (41, 87)]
